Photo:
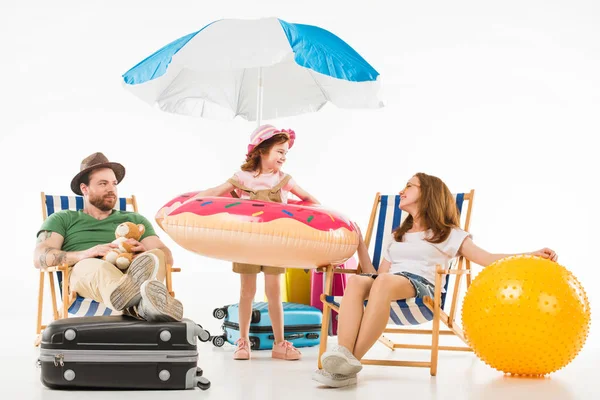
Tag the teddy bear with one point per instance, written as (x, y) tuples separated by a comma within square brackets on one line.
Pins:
[(122, 256)]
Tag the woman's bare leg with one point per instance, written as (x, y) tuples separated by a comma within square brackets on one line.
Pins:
[(352, 308), (386, 289)]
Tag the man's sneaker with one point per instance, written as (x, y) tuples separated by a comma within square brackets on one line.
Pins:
[(127, 293), (340, 360), (157, 304), (333, 380)]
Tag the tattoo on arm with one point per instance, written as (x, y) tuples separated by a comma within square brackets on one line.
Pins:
[(43, 262), (60, 257), (43, 236)]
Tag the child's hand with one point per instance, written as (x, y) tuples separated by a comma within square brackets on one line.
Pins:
[(545, 253)]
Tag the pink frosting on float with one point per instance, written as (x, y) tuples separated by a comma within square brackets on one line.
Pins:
[(181, 198), (259, 211)]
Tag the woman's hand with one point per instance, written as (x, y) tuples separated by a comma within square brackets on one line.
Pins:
[(545, 253)]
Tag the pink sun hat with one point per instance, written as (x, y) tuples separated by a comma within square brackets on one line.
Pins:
[(265, 132)]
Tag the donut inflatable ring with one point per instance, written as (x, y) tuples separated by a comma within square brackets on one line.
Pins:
[(293, 235)]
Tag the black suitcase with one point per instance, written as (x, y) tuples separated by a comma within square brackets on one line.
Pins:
[(119, 352)]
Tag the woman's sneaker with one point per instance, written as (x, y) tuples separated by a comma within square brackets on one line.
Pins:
[(340, 360), (333, 380)]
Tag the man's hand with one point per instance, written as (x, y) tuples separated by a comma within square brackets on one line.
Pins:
[(99, 250), (137, 246)]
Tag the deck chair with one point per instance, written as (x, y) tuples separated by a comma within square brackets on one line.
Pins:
[(74, 305), (385, 217)]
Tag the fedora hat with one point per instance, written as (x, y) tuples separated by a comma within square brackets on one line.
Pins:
[(95, 161)]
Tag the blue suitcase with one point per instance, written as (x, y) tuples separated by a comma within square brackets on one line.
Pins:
[(302, 325)]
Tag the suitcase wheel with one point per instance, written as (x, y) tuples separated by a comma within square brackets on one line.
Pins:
[(254, 343), (220, 313), (219, 341), (202, 382), (203, 335), (199, 371)]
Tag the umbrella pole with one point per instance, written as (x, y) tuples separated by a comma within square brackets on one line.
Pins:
[(259, 100)]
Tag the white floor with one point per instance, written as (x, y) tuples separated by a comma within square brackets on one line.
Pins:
[(460, 376)]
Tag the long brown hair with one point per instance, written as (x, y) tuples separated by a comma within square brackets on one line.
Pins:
[(437, 210), (253, 158)]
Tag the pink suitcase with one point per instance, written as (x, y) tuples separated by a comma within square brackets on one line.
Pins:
[(317, 283)]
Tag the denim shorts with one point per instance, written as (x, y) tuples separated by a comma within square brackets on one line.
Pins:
[(422, 286)]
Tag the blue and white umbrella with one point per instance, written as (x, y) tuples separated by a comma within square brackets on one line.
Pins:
[(256, 69)]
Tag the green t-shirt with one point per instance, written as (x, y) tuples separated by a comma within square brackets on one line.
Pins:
[(81, 231)]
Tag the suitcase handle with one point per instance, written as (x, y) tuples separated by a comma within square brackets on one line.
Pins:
[(290, 336), (255, 316)]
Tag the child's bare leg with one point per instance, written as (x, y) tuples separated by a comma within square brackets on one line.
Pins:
[(281, 349), (247, 293), (273, 292)]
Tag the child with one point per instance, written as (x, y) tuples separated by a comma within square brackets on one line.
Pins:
[(261, 178), (430, 235)]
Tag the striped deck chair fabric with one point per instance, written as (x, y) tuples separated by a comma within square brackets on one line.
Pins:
[(411, 311), (81, 307)]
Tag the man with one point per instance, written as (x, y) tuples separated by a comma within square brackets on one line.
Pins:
[(81, 238)]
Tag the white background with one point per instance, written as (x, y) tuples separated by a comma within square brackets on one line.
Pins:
[(500, 97)]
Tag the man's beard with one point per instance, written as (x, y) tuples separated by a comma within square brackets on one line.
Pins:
[(103, 203)]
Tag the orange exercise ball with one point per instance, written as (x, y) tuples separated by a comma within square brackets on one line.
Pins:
[(526, 315)]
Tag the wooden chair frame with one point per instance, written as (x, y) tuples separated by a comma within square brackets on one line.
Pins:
[(68, 297), (461, 267)]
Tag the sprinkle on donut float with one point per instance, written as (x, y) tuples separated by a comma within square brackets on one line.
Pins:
[(293, 235)]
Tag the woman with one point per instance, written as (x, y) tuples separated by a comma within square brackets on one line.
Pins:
[(429, 236)]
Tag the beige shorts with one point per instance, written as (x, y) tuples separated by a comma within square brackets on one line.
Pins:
[(255, 269)]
